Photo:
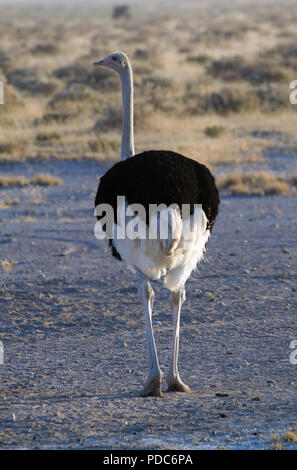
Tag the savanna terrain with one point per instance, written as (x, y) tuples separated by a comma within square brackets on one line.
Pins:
[(212, 81)]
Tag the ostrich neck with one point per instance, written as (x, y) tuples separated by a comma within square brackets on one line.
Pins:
[(127, 144)]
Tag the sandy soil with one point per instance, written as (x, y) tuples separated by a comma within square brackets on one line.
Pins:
[(73, 331)]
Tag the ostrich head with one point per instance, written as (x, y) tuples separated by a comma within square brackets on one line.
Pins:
[(117, 61)]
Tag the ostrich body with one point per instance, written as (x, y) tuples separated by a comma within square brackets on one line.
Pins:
[(167, 178)]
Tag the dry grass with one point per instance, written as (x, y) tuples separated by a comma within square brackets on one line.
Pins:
[(7, 265), (280, 439), (25, 220), (278, 444), (195, 68), (291, 436), (6, 181), (16, 148), (258, 182), (41, 179), (11, 201)]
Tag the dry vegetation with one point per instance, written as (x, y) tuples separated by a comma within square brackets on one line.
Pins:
[(41, 179), (281, 440), (258, 182), (6, 264), (207, 78)]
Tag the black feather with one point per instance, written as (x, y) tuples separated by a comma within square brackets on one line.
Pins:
[(156, 177)]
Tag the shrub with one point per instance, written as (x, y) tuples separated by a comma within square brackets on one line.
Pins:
[(75, 93), (154, 83), (43, 138), (54, 118), (26, 80), (12, 147), (6, 181), (263, 73), (104, 145), (112, 119), (256, 183), (231, 100), (228, 69), (4, 61), (256, 74), (46, 49), (81, 73), (43, 179), (141, 54), (200, 59), (214, 131), (273, 98), (284, 54)]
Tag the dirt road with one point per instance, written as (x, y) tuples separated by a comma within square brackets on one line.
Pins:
[(73, 331)]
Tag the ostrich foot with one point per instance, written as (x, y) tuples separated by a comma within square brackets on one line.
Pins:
[(152, 387), (176, 385)]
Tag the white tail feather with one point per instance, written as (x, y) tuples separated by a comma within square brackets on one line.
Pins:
[(176, 255)]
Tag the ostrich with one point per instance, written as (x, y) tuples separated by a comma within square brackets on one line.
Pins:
[(158, 177)]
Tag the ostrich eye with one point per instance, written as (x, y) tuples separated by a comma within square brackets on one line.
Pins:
[(114, 57)]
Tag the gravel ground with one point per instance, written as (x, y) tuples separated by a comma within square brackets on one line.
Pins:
[(73, 332)]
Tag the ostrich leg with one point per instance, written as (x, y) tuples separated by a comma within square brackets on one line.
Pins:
[(152, 385), (173, 379)]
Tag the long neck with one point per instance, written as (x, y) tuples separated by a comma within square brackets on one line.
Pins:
[(127, 144)]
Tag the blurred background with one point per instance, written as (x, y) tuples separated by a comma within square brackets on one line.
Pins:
[(211, 79)]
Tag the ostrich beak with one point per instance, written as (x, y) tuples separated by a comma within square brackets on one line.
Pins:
[(102, 62)]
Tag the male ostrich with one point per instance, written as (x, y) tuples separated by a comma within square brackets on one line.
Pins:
[(158, 177)]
